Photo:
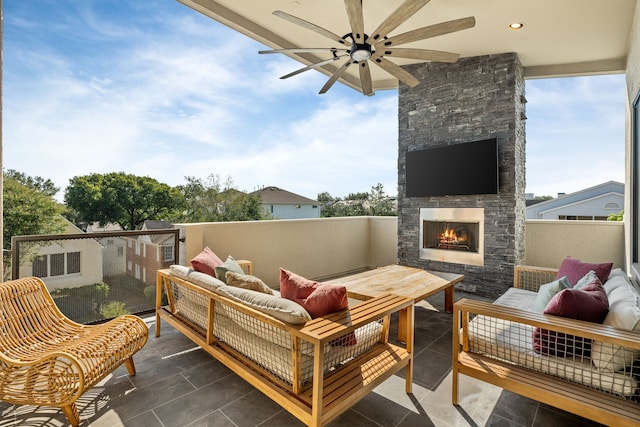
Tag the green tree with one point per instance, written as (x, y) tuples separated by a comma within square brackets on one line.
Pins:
[(325, 197), (29, 207), (380, 203), (616, 216), (374, 203), (209, 200), (41, 185), (124, 199)]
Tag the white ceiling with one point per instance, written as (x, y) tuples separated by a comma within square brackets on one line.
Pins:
[(559, 38)]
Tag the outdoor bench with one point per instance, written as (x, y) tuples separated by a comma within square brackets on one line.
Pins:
[(315, 369), (493, 342)]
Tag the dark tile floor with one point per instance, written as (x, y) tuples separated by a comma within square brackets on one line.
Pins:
[(178, 384)]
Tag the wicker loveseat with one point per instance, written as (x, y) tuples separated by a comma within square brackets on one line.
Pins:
[(47, 359), (315, 369), (600, 380)]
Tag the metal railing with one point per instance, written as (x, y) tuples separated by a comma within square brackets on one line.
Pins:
[(97, 276)]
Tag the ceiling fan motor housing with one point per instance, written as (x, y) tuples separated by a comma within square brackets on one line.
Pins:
[(360, 51)]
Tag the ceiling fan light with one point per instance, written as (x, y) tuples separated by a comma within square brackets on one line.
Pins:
[(361, 55)]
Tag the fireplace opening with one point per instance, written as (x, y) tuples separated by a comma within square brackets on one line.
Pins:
[(450, 235)]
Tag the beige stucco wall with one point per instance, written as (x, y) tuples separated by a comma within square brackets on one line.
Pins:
[(313, 248), (317, 248), (633, 87), (548, 242)]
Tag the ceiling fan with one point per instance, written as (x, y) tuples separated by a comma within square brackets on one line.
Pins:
[(361, 48)]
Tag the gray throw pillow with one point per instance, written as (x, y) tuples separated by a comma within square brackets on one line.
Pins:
[(547, 291), (229, 265)]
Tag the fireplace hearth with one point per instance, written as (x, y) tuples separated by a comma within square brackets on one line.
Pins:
[(452, 235)]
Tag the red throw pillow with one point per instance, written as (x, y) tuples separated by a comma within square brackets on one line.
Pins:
[(589, 303), (317, 298), (574, 269), (206, 262)]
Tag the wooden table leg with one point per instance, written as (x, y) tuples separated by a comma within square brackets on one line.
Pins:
[(402, 325), (448, 299)]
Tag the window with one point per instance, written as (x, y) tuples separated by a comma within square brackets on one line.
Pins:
[(120, 250), (582, 218), (57, 264), (73, 262), (613, 206), (39, 267), (167, 252), (137, 248)]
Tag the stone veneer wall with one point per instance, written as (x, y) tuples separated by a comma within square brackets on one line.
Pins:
[(473, 99)]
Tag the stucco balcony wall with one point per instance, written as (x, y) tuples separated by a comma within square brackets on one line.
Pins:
[(547, 242), (314, 248), (320, 248)]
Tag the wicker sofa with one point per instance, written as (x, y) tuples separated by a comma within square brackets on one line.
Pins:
[(494, 342), (315, 369)]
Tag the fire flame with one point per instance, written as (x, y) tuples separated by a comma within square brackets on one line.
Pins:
[(449, 236)]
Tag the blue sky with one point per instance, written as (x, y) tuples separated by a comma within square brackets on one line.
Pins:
[(154, 88)]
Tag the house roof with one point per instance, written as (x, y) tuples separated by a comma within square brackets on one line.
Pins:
[(597, 191), (278, 196), (156, 225), (559, 38)]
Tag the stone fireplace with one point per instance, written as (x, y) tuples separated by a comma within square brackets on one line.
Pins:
[(478, 235)]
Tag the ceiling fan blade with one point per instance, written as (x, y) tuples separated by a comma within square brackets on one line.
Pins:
[(405, 11), (308, 25), (422, 54), (316, 65), (429, 31), (356, 19), (365, 78), (339, 72), (302, 50), (396, 71)]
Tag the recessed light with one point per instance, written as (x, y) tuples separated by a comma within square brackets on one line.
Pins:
[(516, 25)]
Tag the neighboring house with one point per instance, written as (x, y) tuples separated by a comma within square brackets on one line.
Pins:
[(594, 203), (66, 263), (149, 253), (113, 260), (282, 204)]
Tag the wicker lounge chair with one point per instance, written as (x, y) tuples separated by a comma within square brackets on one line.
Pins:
[(47, 359)]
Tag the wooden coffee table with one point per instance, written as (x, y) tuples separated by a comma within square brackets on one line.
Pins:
[(405, 281)]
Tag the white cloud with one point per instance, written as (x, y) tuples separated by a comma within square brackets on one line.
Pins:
[(575, 133), (162, 91)]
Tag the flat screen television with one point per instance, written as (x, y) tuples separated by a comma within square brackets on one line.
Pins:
[(458, 169)]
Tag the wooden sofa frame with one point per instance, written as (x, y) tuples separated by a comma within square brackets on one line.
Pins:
[(329, 394), (578, 399)]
